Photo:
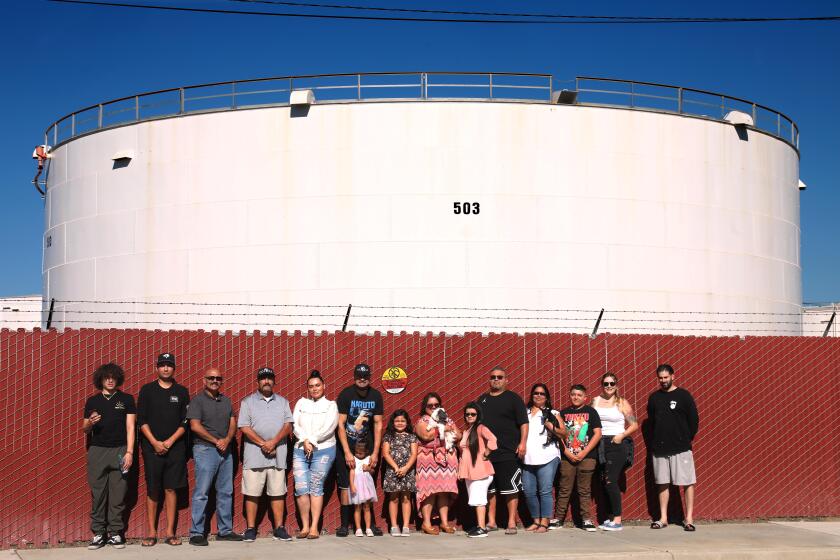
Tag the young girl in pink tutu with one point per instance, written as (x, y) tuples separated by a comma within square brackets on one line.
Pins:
[(362, 490)]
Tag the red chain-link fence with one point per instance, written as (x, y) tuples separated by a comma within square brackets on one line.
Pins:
[(768, 444)]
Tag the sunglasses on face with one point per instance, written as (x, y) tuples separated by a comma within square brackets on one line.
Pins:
[(214, 378), (496, 377), (537, 394), (470, 414), (609, 383), (432, 405)]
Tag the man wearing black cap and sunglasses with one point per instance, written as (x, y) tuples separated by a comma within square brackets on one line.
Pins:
[(265, 420), (359, 419), (162, 417)]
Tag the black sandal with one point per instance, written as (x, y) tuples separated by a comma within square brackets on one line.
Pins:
[(689, 527)]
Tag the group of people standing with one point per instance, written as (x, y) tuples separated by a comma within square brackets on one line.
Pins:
[(503, 447)]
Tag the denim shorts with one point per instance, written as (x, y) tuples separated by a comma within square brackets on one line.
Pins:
[(311, 472)]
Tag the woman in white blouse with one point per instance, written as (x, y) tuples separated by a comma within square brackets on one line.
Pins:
[(545, 429), (316, 418)]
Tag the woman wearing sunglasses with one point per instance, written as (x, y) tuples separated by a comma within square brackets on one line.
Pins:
[(437, 467), (545, 430), (475, 468), (616, 447)]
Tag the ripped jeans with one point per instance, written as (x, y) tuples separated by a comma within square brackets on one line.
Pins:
[(311, 472)]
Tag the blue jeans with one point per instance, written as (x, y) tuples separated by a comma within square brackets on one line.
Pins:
[(208, 464), (311, 472), (538, 485)]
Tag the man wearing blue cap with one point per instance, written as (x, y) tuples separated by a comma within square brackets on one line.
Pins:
[(265, 419)]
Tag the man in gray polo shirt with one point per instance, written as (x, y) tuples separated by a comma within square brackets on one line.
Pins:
[(265, 420), (212, 422)]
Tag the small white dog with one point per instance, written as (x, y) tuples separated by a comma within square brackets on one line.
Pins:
[(437, 420)]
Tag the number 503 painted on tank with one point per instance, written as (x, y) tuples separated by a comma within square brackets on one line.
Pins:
[(467, 208)]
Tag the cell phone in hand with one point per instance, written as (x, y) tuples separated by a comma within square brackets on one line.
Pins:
[(122, 465)]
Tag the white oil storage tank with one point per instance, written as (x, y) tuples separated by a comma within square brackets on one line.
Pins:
[(442, 202)]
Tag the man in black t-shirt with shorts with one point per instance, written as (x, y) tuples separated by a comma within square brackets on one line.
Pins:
[(162, 417), (359, 419), (673, 415), (505, 415)]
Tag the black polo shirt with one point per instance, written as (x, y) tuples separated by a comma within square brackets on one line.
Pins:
[(110, 430), (214, 415)]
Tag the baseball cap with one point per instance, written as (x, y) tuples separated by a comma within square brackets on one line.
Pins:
[(264, 372), (166, 359), (361, 370)]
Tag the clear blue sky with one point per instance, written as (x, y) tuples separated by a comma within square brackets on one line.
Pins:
[(58, 57)]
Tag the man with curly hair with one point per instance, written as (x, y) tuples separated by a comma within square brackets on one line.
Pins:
[(109, 420)]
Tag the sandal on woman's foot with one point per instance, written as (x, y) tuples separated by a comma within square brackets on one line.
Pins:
[(541, 528), (172, 541), (302, 534), (689, 527), (510, 531), (447, 529), (312, 536), (658, 525), (490, 528), (148, 541), (431, 530), (532, 527)]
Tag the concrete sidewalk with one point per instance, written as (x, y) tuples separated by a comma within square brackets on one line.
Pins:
[(755, 541)]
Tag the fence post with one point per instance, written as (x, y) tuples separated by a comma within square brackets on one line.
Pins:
[(136, 107), (830, 322), (491, 85), (99, 119), (233, 95), (346, 318), (597, 324), (180, 101), (358, 87), (680, 100), (50, 314), (755, 115)]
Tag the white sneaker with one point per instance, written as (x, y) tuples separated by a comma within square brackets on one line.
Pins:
[(395, 532), (360, 533), (368, 532), (554, 524), (406, 532)]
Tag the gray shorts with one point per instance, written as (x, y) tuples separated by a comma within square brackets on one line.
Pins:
[(675, 469)]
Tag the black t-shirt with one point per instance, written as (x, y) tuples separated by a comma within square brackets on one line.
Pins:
[(110, 430), (504, 415), (675, 421), (580, 427), (164, 410), (350, 403)]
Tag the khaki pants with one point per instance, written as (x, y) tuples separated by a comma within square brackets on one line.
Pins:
[(580, 475), (107, 489)]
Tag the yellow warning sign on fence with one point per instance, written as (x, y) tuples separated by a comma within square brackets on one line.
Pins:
[(394, 380)]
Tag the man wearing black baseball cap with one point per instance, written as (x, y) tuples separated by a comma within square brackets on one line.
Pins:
[(265, 419), (356, 405), (162, 417)]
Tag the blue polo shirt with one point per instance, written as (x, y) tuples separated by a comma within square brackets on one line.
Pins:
[(266, 417)]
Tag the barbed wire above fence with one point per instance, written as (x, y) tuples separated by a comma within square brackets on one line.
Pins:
[(248, 316)]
